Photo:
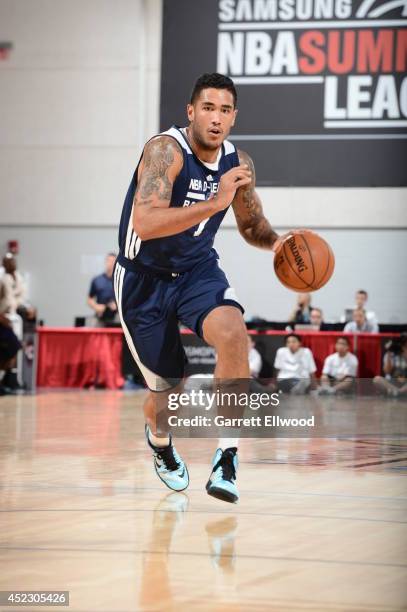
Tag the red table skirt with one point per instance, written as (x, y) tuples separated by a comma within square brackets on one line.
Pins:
[(79, 357)]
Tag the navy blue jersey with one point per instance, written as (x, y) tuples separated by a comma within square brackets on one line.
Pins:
[(196, 182)]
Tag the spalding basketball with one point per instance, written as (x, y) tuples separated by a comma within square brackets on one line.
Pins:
[(304, 261)]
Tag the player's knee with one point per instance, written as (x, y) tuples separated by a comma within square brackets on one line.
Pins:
[(233, 337)]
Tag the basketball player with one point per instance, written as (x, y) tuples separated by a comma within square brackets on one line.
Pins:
[(167, 270)]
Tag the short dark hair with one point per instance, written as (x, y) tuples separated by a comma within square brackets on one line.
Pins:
[(215, 80), (293, 336), (362, 291), (345, 339), (111, 254)]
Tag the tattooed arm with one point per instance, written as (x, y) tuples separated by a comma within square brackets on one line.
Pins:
[(252, 224), (160, 165)]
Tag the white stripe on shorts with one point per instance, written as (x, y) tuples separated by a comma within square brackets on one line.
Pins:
[(132, 254), (154, 382)]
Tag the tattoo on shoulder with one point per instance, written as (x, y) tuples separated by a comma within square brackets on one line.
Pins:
[(244, 158), (159, 155)]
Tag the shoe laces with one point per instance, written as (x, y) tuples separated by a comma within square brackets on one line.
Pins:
[(169, 456), (226, 462)]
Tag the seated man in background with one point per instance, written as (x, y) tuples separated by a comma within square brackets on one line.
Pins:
[(101, 296), (360, 325), (394, 383), (295, 367), (316, 319), (340, 370), (302, 311), (361, 298)]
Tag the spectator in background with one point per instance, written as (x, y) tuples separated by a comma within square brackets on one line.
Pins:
[(17, 290), (101, 296), (316, 318), (340, 370), (360, 325), (394, 383), (295, 367), (5, 296), (361, 297), (255, 365), (255, 360), (9, 343), (13, 303), (302, 311)]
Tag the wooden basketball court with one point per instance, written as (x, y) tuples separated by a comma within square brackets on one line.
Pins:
[(321, 524)]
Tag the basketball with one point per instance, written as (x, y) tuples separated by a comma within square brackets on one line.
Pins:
[(304, 261)]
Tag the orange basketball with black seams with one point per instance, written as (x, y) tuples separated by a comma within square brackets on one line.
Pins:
[(304, 261)]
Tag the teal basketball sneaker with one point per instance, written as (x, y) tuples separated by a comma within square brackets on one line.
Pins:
[(221, 483), (168, 465)]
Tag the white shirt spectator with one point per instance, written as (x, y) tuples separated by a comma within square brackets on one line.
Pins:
[(7, 306), (367, 328), (300, 364), (339, 367), (6, 297), (255, 362), (16, 288), (370, 316)]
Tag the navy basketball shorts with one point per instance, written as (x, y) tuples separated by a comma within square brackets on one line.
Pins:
[(151, 307)]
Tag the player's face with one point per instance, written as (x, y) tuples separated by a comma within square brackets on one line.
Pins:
[(211, 117)]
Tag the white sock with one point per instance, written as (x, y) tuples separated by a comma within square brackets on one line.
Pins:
[(158, 441), (225, 443)]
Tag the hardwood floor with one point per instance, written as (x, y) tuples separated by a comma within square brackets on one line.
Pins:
[(320, 526)]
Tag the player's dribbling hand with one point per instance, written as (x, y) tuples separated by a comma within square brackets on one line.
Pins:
[(230, 183), (280, 241)]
